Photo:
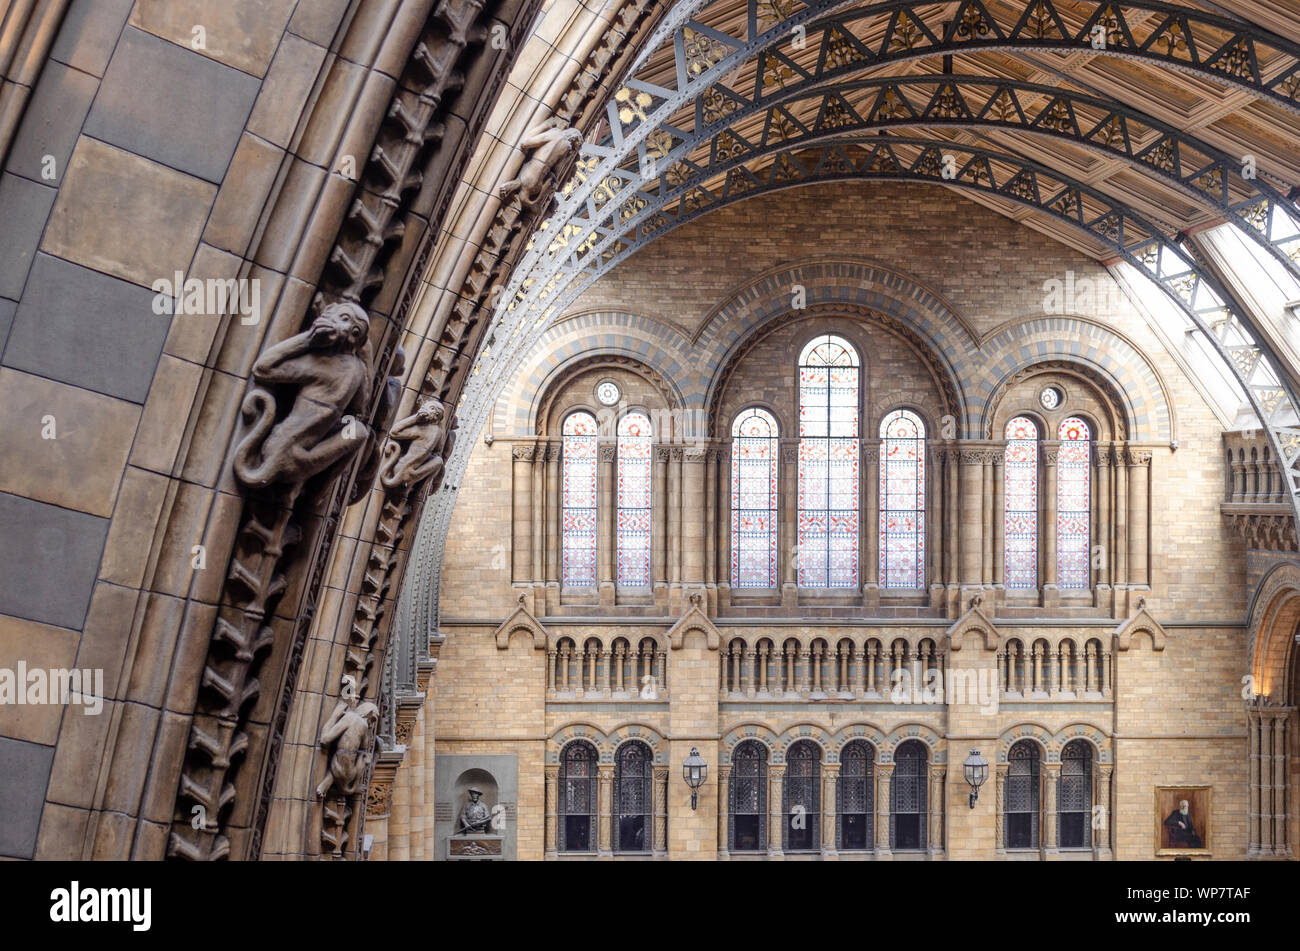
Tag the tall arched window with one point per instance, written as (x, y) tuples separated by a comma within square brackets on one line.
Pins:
[(578, 797), (634, 501), (578, 500), (633, 797), (1020, 492), (902, 500), (908, 798), (802, 793), (1020, 820), (754, 509), (1073, 503), (856, 796), (1074, 813), (748, 795), (828, 464)]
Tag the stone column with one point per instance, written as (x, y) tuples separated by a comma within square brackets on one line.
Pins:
[(935, 526), (550, 672), (553, 494), (552, 811), (830, 809), (674, 528), (606, 811), (660, 849), (884, 777), (869, 530), (1255, 810), (659, 518), (606, 517), (998, 520), (1048, 533), (1104, 529), (775, 813), (750, 675), (986, 520), (711, 492), (999, 806), (971, 530), (789, 535), (1101, 837), (1120, 471), (860, 671), (935, 798), (724, 811), (522, 520), (539, 520), (1052, 780), (693, 518), (1139, 473), (605, 671), (1281, 812), (951, 528)]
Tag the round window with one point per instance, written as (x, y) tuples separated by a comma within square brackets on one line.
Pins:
[(1051, 397), (607, 392)]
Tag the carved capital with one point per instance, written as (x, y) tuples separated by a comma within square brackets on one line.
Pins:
[(607, 452), (694, 453), (871, 453), (1137, 457), (790, 454), (523, 453), (662, 454)]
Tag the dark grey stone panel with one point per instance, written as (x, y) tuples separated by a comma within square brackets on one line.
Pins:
[(89, 32), (7, 309), (82, 327), (24, 774), (172, 105), (49, 560), (52, 122), (24, 209)]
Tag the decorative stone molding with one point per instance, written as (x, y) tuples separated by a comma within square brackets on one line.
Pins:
[(1140, 623), (974, 621), (524, 453), (1137, 457), (695, 620), (607, 452)]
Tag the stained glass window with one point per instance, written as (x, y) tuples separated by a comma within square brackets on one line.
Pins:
[(856, 799), (1020, 501), (634, 500), (902, 500), (578, 801), (633, 797), (828, 464), (754, 509), (1020, 820), (1073, 503), (578, 500)]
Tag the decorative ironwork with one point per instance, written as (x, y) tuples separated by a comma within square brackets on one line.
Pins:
[(1074, 800), (633, 816), (856, 797), (579, 797), (747, 810), (1020, 825), (801, 797), (908, 798)]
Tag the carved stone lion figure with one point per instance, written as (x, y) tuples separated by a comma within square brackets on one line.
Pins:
[(328, 363), (352, 734), (550, 142), (424, 435)]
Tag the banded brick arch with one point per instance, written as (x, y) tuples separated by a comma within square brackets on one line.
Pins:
[(1023, 731), (1274, 617), (859, 731), (606, 334), (900, 734), (1093, 348), (738, 734), (606, 744), (1101, 744)]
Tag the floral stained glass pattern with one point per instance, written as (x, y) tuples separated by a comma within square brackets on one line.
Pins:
[(634, 448), (828, 464), (578, 501), (902, 500), (1020, 492), (754, 508), (1073, 503)]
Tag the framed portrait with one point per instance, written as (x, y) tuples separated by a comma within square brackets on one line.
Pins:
[(1183, 820)]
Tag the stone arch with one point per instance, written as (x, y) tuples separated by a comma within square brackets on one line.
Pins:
[(643, 733), (807, 730), (1102, 355), (579, 730), (934, 741), (1274, 618), (859, 731), (1035, 732), (734, 736), (1092, 735)]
